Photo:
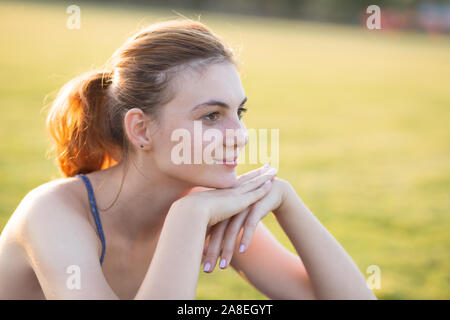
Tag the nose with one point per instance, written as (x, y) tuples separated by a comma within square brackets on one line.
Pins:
[(236, 136)]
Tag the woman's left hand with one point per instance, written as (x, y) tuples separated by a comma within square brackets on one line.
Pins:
[(223, 236)]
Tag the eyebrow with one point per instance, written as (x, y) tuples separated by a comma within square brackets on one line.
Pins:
[(216, 103)]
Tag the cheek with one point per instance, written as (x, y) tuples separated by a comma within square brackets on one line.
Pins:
[(214, 175), (198, 174)]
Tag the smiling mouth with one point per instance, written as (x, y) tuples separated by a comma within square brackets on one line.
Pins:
[(226, 162)]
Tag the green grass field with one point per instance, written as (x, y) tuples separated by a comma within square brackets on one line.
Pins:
[(363, 116)]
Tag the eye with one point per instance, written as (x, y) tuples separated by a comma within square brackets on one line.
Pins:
[(240, 111), (213, 116)]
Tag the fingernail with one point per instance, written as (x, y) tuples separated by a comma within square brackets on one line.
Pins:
[(267, 182), (206, 267), (222, 263), (242, 248), (266, 166)]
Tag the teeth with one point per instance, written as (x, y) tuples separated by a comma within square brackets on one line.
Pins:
[(224, 162)]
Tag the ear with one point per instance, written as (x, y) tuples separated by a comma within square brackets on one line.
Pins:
[(137, 127)]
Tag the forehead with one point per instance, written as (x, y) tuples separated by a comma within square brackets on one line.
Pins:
[(220, 81)]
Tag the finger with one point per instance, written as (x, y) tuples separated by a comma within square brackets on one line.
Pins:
[(251, 174), (232, 202), (257, 181), (255, 215), (209, 232), (230, 237), (199, 189), (214, 246), (206, 244), (253, 196)]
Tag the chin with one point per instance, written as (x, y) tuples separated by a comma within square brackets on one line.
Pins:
[(222, 184), (209, 176), (217, 176)]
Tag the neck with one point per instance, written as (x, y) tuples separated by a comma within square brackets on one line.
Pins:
[(144, 199)]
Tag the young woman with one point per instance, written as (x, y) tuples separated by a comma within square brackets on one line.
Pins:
[(127, 222)]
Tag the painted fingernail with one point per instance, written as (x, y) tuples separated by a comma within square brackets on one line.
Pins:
[(266, 166), (206, 267), (242, 248), (222, 263), (267, 182)]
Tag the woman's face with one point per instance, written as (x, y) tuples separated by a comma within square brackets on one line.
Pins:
[(191, 141)]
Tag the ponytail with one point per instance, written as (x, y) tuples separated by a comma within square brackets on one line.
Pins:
[(77, 124)]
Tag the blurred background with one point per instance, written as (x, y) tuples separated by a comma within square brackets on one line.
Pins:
[(363, 114)]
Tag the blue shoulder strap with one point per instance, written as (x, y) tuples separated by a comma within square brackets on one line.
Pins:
[(95, 212)]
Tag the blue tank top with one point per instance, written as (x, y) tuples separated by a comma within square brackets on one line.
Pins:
[(94, 210)]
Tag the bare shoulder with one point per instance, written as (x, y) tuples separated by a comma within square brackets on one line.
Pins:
[(63, 190), (55, 203), (49, 217), (48, 232)]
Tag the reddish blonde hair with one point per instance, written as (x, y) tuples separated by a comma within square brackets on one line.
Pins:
[(85, 121)]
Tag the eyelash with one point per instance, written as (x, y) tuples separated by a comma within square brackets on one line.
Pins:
[(216, 112)]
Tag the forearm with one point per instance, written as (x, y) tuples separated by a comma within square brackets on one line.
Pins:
[(174, 270), (332, 272)]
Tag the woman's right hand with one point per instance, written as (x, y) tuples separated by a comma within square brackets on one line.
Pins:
[(220, 204)]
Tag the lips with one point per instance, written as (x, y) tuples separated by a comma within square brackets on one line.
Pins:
[(225, 161)]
